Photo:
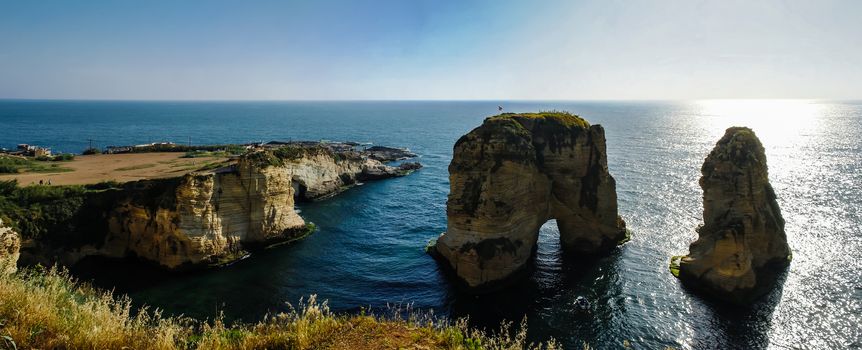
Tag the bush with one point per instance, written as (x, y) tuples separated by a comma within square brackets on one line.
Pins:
[(67, 216), (105, 185), (63, 157), (235, 149), (14, 165), (8, 169), (7, 187)]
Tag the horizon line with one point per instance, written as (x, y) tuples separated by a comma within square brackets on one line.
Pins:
[(426, 100)]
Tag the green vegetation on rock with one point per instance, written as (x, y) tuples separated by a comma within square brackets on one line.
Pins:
[(72, 215), (674, 264), (62, 157), (430, 246), (292, 235), (559, 117), (33, 211), (208, 151), (202, 154), (626, 238), (172, 147), (278, 156)]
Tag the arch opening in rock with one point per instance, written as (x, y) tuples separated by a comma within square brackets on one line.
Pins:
[(299, 189), (514, 173)]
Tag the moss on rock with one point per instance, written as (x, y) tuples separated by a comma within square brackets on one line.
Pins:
[(674, 265), (287, 153), (558, 117)]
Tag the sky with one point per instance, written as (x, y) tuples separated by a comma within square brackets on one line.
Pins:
[(435, 49)]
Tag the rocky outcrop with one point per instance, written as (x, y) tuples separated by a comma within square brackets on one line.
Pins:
[(741, 246), (10, 243), (388, 154), (322, 173), (511, 175), (212, 217)]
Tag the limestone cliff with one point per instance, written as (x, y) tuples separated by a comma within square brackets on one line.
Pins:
[(10, 243), (511, 175), (741, 245), (211, 217)]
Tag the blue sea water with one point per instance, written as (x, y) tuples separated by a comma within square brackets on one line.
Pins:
[(368, 251)]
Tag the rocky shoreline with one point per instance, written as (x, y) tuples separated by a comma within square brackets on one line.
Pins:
[(202, 218)]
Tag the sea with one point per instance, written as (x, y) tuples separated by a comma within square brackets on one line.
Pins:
[(368, 252)]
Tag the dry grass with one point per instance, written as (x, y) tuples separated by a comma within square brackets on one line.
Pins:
[(47, 309), (97, 168), (135, 167)]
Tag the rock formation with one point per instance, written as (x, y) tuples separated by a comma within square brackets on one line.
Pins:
[(10, 244), (511, 175), (741, 245), (388, 154), (210, 217)]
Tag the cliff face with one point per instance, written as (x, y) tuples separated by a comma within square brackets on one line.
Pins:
[(10, 243), (213, 217), (511, 175), (741, 245)]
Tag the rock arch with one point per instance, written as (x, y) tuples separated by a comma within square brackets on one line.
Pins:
[(514, 173)]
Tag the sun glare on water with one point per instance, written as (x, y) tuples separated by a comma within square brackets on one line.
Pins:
[(778, 123)]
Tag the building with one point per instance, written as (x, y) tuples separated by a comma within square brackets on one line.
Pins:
[(32, 151)]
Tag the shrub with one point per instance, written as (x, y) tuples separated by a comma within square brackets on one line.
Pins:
[(8, 169), (235, 149), (69, 216), (13, 165), (63, 157)]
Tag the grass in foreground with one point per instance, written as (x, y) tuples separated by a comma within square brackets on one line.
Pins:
[(48, 309)]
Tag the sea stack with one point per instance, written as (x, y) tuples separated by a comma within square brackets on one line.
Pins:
[(10, 244), (511, 175), (741, 246)]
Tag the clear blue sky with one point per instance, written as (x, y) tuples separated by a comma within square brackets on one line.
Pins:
[(413, 49)]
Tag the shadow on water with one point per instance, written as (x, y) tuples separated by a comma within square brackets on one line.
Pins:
[(124, 275), (241, 291), (733, 326), (596, 279), (545, 295)]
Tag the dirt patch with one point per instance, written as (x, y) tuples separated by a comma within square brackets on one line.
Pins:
[(118, 167)]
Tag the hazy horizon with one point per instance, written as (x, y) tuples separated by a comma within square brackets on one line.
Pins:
[(427, 100), (430, 50)]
